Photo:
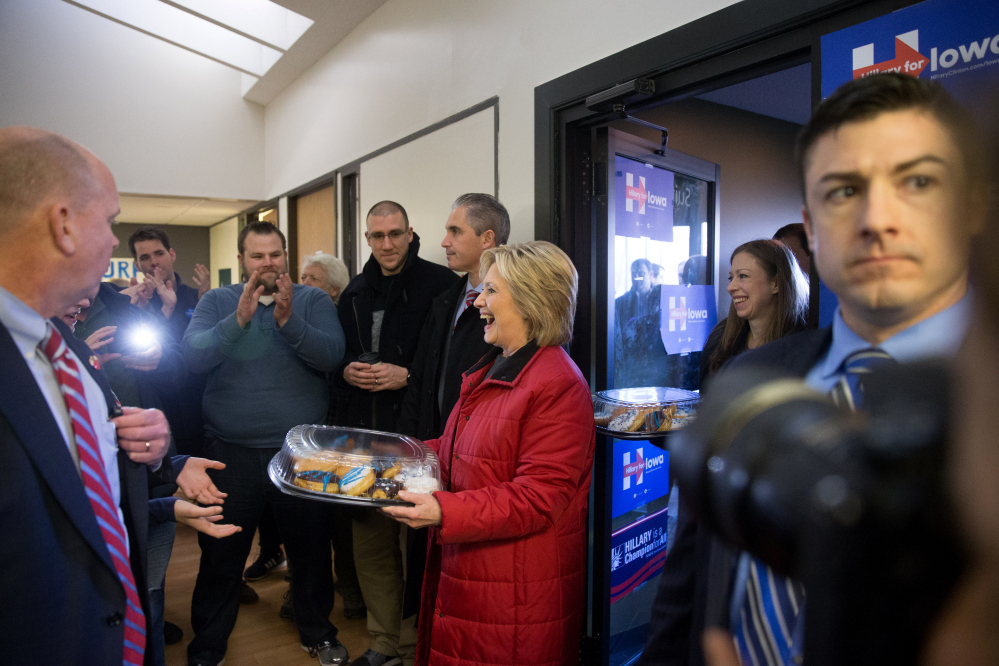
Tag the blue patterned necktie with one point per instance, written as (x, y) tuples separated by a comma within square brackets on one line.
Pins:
[(768, 618), (849, 390)]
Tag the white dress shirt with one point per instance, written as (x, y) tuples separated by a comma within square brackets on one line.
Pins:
[(27, 328)]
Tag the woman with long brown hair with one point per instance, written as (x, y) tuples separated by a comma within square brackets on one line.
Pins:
[(769, 300)]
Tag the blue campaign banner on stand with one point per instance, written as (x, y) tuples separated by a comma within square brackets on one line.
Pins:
[(638, 551), (644, 196), (641, 474), (954, 42), (688, 314)]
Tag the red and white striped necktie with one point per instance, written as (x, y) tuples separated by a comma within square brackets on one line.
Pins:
[(470, 298), (95, 482), (469, 302)]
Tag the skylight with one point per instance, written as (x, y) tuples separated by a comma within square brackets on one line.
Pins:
[(247, 35), (260, 19)]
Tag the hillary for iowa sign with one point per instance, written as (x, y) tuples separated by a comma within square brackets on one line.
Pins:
[(688, 315), (641, 474), (643, 200), (954, 42)]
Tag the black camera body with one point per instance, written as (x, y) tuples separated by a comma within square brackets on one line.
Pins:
[(854, 505)]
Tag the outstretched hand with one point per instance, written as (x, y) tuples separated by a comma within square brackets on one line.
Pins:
[(193, 479), (204, 519)]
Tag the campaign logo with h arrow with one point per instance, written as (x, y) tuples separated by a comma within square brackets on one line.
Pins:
[(908, 59), (677, 314), (633, 469), (633, 194)]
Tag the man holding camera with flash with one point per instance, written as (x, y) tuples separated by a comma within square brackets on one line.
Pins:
[(894, 192)]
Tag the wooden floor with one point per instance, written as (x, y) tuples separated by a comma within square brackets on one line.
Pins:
[(260, 637)]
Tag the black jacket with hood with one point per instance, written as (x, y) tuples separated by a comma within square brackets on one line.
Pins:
[(407, 303)]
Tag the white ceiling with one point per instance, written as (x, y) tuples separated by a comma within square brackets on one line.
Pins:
[(189, 211), (334, 19)]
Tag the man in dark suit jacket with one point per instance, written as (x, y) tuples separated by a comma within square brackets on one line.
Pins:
[(893, 185), (452, 341), (63, 601)]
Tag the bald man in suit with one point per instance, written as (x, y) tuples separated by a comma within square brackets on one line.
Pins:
[(65, 588)]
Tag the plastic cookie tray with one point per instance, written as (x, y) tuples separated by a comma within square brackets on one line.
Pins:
[(353, 466), (643, 412)]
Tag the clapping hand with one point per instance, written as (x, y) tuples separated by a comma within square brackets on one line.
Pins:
[(163, 287), (204, 519), (247, 305), (202, 278), (193, 479), (139, 293), (282, 300)]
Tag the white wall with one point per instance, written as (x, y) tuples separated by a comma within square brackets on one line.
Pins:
[(166, 121), (415, 62), (428, 174), (222, 241)]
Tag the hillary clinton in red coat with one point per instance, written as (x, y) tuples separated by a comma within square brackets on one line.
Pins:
[(505, 577)]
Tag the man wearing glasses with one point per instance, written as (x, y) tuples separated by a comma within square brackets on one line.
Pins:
[(382, 312)]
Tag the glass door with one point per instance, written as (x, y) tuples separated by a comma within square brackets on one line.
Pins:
[(656, 264)]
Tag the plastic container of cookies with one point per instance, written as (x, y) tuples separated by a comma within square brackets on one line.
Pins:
[(640, 413), (353, 466)]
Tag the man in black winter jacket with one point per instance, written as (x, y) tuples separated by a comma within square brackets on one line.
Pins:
[(382, 311)]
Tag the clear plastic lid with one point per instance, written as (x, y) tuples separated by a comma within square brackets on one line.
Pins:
[(645, 410), (353, 466)]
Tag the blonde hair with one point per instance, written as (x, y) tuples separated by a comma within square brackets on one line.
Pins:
[(543, 283)]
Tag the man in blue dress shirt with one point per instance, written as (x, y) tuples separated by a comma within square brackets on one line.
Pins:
[(894, 193)]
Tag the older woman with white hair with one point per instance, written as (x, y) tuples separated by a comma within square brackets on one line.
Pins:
[(506, 559), (325, 272)]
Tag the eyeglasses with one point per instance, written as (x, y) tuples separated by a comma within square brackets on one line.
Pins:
[(378, 237)]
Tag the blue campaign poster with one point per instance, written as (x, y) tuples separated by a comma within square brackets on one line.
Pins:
[(641, 474), (688, 314), (638, 551), (955, 42), (644, 196)]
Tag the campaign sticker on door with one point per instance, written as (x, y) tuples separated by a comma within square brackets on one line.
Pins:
[(644, 200), (688, 314), (638, 551), (641, 474)]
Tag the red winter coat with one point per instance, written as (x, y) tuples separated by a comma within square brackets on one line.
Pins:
[(505, 576)]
